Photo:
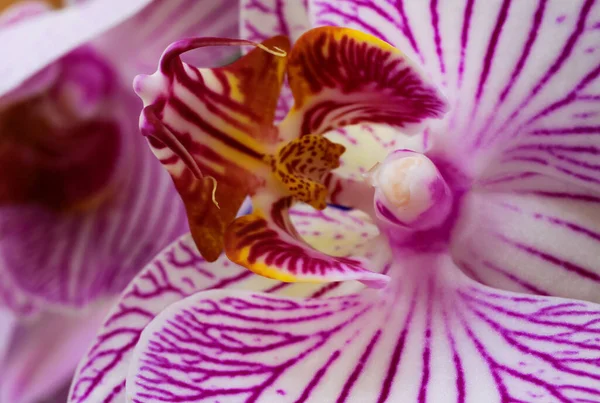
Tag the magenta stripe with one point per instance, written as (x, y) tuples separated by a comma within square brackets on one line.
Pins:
[(407, 30), (358, 369), (566, 130), (460, 372), (555, 67), (435, 21), (547, 257), (396, 355), (464, 39), (317, 377), (569, 98), (426, 356), (537, 21), (491, 49), (526, 285), (563, 195)]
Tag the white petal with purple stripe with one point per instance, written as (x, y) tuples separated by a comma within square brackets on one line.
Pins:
[(180, 271), (438, 338), (522, 77)]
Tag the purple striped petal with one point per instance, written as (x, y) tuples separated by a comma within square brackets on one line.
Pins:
[(44, 353), (521, 77), (53, 258), (137, 44), (536, 243), (39, 40), (263, 19), (180, 271), (434, 337)]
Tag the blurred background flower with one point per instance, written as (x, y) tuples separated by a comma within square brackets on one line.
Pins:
[(83, 202)]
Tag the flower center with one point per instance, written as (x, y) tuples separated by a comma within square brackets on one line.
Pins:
[(410, 191)]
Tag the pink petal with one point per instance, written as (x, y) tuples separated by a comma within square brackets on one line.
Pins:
[(44, 353), (178, 272), (70, 259), (38, 41), (434, 337)]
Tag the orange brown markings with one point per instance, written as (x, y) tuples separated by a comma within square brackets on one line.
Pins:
[(207, 128), (207, 220), (258, 77), (301, 164)]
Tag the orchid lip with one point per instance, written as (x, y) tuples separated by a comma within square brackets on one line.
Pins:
[(410, 191)]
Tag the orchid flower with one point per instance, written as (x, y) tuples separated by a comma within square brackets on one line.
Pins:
[(464, 267), (82, 200)]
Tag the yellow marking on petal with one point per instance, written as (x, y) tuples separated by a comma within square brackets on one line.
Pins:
[(214, 192), (241, 258), (275, 51), (341, 33)]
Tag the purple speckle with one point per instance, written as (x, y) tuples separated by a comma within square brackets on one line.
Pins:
[(560, 19)]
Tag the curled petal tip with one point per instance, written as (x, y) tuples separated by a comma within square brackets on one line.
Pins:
[(149, 87)]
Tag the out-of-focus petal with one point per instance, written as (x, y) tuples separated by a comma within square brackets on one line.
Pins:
[(36, 42), (45, 352), (267, 243), (537, 243), (70, 258), (438, 338), (180, 271), (522, 78), (16, 12), (8, 322), (263, 19), (137, 44), (211, 128), (340, 76)]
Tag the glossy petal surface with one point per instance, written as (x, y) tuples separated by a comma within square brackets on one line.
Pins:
[(180, 271), (441, 338)]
